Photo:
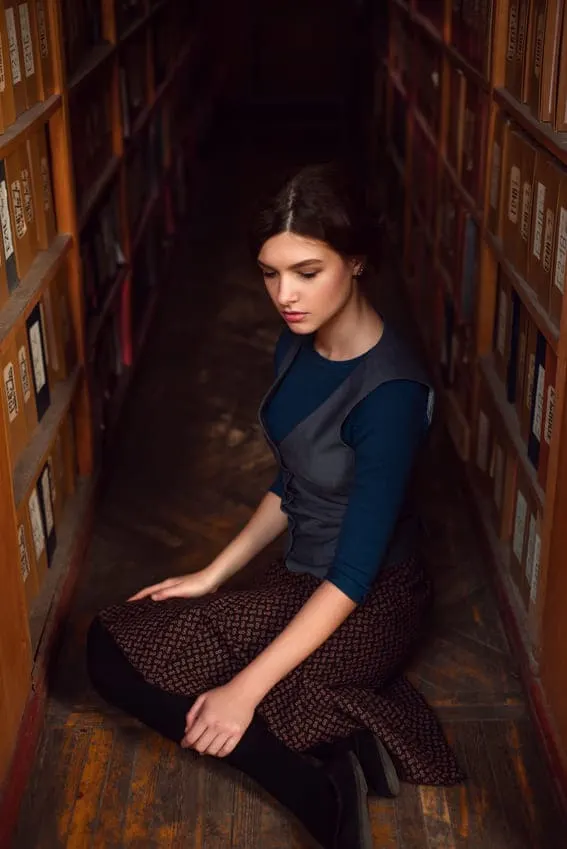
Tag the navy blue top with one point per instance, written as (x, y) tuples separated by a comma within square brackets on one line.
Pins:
[(385, 430)]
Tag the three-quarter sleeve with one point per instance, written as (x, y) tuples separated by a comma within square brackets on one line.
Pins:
[(385, 432)]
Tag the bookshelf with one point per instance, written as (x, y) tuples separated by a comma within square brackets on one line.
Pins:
[(474, 110), (102, 107)]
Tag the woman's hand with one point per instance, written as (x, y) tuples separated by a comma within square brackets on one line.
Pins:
[(185, 586), (217, 721)]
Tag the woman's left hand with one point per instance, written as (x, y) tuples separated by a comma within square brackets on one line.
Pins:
[(217, 721)]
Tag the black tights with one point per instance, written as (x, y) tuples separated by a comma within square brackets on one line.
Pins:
[(302, 787)]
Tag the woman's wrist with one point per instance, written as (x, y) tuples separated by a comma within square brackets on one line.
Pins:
[(248, 685)]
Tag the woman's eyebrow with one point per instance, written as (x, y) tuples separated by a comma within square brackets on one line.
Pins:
[(295, 266)]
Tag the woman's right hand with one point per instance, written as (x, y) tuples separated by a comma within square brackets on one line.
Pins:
[(185, 586)]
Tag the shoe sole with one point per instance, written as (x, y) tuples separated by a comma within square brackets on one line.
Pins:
[(366, 841)]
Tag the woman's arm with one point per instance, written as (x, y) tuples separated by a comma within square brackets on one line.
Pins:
[(315, 622), (265, 525), (219, 718)]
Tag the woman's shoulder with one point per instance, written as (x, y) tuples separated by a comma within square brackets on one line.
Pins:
[(396, 403)]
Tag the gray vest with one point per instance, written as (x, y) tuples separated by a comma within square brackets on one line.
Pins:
[(318, 467)]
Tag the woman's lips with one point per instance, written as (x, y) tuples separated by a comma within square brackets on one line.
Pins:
[(294, 317)]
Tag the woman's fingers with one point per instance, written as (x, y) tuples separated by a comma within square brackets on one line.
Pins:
[(228, 747), (156, 589), (194, 712), (195, 733), (216, 744)]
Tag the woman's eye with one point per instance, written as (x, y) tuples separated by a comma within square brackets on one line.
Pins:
[(269, 274), (308, 275)]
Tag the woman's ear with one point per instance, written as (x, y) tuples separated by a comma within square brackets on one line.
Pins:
[(358, 266)]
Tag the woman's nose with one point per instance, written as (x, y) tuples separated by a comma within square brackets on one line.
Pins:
[(286, 292)]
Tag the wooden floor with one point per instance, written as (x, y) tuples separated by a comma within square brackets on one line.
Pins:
[(190, 467)]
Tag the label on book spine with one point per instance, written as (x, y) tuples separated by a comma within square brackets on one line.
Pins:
[(512, 32), (13, 47), (519, 526), (549, 411), (526, 211), (2, 71), (514, 198), (19, 216), (538, 409), (495, 174), (47, 502), (530, 554), (38, 363), (538, 231), (24, 373), (5, 220), (45, 183), (10, 392), (36, 525), (26, 40), (535, 569), (559, 276), (28, 202), (530, 381), (548, 239), (42, 27), (539, 42), (25, 568)]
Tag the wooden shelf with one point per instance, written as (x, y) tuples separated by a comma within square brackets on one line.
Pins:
[(43, 270), (27, 124), (508, 414), (135, 28), (537, 313), (97, 189), (28, 465), (500, 551), (555, 143), (427, 28), (68, 533), (97, 57), (425, 25), (423, 123), (467, 199), (475, 76), (397, 82), (96, 323)]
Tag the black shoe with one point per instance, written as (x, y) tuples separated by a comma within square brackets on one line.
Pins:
[(376, 763), (353, 826)]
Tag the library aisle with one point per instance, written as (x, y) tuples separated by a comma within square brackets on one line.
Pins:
[(191, 416)]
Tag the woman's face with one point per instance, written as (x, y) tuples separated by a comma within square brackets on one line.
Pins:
[(307, 280)]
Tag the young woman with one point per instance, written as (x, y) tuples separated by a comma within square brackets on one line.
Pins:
[(297, 681)]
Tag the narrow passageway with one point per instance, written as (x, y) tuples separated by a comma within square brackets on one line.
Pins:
[(190, 465)]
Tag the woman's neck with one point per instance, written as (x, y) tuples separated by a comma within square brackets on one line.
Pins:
[(353, 331)]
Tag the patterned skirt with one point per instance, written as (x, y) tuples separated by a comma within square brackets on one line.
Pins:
[(352, 681)]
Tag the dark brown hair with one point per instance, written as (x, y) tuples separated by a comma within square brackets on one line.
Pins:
[(319, 202)]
